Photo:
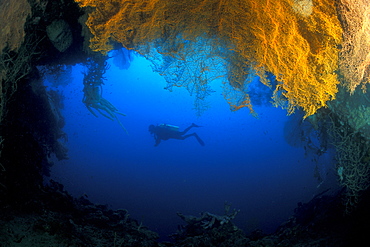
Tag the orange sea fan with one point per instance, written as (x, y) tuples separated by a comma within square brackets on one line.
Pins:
[(296, 40)]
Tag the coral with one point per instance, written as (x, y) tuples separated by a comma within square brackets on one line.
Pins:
[(300, 52), (93, 90), (351, 155), (355, 54), (238, 95), (210, 230), (193, 67), (208, 220), (303, 7), (294, 40), (353, 109), (14, 66), (13, 15), (359, 117), (58, 219)]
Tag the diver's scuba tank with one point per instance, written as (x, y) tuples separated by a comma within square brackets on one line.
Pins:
[(170, 127)]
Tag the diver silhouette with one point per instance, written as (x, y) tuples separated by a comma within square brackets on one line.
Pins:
[(167, 131)]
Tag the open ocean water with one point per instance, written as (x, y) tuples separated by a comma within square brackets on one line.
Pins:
[(246, 161)]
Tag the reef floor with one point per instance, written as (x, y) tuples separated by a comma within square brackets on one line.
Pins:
[(55, 218)]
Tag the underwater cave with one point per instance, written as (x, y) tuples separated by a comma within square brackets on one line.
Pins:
[(120, 125)]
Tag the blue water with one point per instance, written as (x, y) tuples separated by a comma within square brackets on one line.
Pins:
[(246, 161)]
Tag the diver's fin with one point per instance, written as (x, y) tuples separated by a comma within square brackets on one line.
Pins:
[(201, 142), (195, 125)]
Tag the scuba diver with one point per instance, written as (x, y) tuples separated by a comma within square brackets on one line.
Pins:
[(167, 131)]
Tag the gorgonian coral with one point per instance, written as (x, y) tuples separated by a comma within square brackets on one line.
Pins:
[(296, 40)]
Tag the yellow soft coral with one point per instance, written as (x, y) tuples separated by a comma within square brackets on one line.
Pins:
[(296, 40)]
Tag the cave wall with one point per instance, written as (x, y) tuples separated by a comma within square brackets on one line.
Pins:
[(30, 127)]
